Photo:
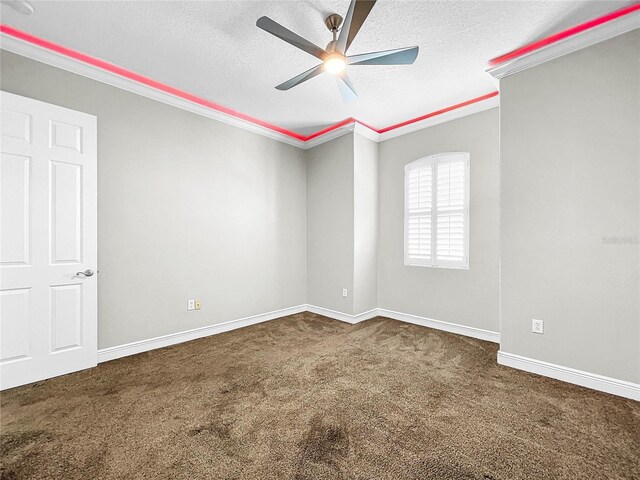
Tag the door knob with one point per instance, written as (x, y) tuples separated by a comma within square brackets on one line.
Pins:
[(87, 273)]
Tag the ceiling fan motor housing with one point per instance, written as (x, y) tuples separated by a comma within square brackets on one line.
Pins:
[(333, 22), (331, 46)]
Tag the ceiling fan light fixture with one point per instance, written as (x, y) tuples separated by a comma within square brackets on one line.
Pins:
[(335, 63), (334, 57)]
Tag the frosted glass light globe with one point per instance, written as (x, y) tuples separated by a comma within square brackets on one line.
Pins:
[(335, 63)]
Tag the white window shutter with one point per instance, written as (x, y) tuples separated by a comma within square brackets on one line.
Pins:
[(451, 206), (418, 219), (437, 211)]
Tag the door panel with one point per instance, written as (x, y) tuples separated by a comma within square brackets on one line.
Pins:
[(66, 317), (16, 125), (66, 212), (15, 334), (48, 203), (63, 135), (15, 180)]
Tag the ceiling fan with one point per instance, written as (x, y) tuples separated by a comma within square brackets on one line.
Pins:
[(334, 57)]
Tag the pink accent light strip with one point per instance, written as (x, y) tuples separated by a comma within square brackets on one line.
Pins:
[(110, 67), (564, 34)]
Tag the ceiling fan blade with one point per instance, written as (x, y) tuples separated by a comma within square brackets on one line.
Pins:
[(346, 88), (303, 77), (20, 6), (356, 15), (398, 56), (341, 43), (274, 28)]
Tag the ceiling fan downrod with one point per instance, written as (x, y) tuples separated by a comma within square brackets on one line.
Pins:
[(333, 23)]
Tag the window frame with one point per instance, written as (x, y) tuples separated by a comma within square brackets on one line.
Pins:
[(432, 161)]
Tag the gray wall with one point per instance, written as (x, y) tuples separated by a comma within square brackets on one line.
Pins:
[(465, 297), (365, 225), (330, 232), (187, 208), (570, 148), (342, 224)]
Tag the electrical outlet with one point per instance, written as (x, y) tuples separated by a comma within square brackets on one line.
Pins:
[(198, 305), (191, 304), (344, 293), (537, 326)]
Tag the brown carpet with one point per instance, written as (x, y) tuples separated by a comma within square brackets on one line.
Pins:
[(306, 397)]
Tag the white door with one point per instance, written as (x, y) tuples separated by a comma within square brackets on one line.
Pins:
[(48, 237)]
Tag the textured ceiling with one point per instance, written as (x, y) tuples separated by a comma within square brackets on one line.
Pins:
[(214, 50)]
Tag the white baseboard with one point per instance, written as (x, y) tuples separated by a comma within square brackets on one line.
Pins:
[(119, 351), (111, 353), (440, 325), (405, 317), (578, 377), (590, 380), (343, 317)]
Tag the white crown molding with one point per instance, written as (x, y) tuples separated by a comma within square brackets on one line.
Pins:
[(581, 40), (26, 49), (366, 132), (343, 317), (473, 332), (461, 112), (577, 377), (58, 60), (111, 353), (327, 137), (357, 127)]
